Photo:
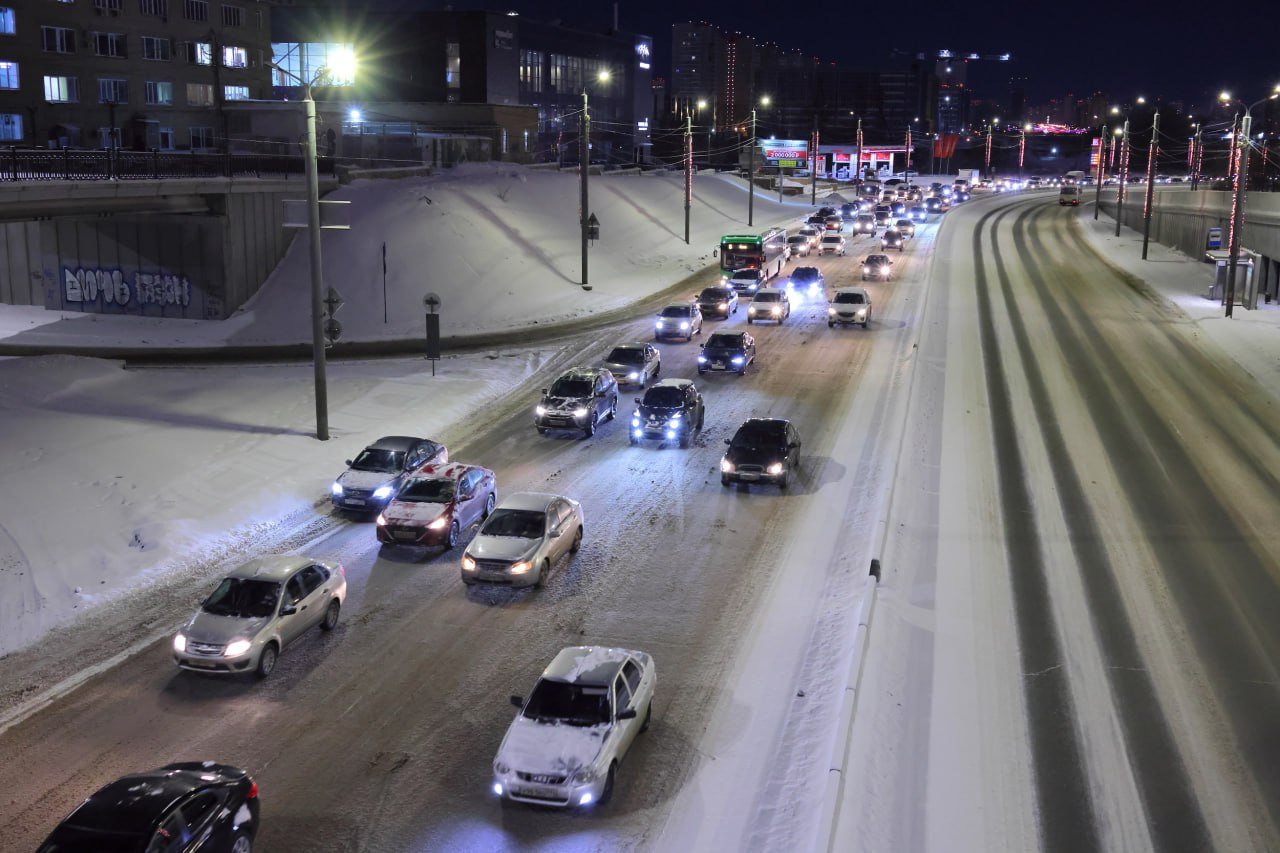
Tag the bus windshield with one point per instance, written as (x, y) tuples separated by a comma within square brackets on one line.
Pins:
[(739, 256)]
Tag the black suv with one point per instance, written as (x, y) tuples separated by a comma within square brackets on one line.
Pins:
[(719, 300), (807, 279), (892, 239), (672, 410), (579, 400), (727, 351), (877, 266), (762, 450)]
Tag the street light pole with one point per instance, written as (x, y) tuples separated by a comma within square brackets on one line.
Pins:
[(1197, 158), (990, 130), (751, 172), (1102, 163), (813, 166), (584, 155), (1124, 173), (1152, 153), (1022, 151), (1241, 142), (688, 173), (857, 168), (317, 274)]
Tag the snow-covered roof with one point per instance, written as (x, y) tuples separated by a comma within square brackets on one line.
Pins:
[(276, 567), (597, 665)]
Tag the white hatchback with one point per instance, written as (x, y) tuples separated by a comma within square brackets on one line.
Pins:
[(565, 745)]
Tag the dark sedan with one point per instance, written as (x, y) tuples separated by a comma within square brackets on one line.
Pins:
[(727, 351), (762, 450), (180, 808), (721, 300), (373, 477)]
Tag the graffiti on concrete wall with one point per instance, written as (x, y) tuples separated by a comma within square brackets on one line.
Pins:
[(114, 287)]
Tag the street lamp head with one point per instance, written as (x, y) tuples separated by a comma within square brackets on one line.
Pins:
[(702, 103), (342, 64), (1027, 126), (1115, 111), (1118, 132), (1224, 97), (603, 76), (764, 101), (1141, 100)]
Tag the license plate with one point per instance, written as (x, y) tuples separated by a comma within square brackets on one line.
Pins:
[(406, 534), (202, 664), (535, 791), (717, 365), (749, 476), (356, 501)]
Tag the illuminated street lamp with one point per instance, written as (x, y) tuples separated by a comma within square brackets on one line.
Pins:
[(751, 165), (341, 66)]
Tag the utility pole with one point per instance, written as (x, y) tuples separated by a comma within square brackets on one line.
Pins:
[(1022, 152), (857, 169), (1102, 165), (1241, 142), (1124, 173), (751, 172), (813, 166), (988, 166), (907, 172), (1152, 153), (1198, 144), (584, 156), (317, 276), (688, 173)]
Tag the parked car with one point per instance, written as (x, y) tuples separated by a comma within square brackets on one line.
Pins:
[(905, 227), (800, 244), (637, 363), (672, 410), (523, 540), (762, 450), (865, 224), (377, 471), (772, 303), (185, 807), (256, 611), (746, 281), (727, 351), (681, 320), (579, 399), (436, 504), (832, 244), (877, 266), (565, 745), (892, 239), (849, 305), (806, 280)]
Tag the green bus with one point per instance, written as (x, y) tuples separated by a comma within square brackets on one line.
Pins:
[(766, 252)]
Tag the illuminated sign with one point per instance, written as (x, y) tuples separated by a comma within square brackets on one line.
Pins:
[(785, 149)]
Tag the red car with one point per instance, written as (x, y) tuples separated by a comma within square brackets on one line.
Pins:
[(436, 503)]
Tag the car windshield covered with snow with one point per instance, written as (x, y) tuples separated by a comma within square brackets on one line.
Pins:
[(664, 397), (243, 598), (431, 490), (382, 461), (575, 704), (844, 298), (680, 311), (522, 523), (570, 388), (626, 355)]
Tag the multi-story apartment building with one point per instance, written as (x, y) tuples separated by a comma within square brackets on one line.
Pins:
[(137, 74)]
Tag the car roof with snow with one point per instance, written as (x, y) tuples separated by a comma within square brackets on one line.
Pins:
[(770, 294), (446, 471), (593, 665), (845, 291), (672, 382), (275, 567)]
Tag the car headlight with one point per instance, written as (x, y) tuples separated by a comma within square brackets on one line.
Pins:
[(674, 423), (539, 410), (500, 768), (737, 359), (583, 774), (633, 376), (702, 359), (179, 643), (751, 309), (831, 311), (726, 466), (635, 421), (236, 648), (468, 564), (777, 309), (440, 523), (862, 313), (658, 324), (684, 325), (724, 304), (521, 567), (580, 412), (336, 488), (381, 520), (775, 468), (382, 492)]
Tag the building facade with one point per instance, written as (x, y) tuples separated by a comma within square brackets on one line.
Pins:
[(137, 74)]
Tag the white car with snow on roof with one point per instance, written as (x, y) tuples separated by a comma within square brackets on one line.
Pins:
[(565, 745)]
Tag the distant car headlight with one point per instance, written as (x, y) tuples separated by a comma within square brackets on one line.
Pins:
[(674, 423), (336, 488), (684, 325), (180, 643), (539, 410), (468, 564), (440, 523), (382, 492), (775, 468), (635, 420), (726, 466), (633, 376), (831, 311), (580, 412), (658, 324), (866, 269), (521, 567), (381, 520), (702, 359), (738, 359), (235, 648)]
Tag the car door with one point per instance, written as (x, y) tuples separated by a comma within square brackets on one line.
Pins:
[(599, 398), (624, 730), (315, 583), (200, 812), (171, 835), (565, 522), (651, 360), (467, 500), (295, 596)]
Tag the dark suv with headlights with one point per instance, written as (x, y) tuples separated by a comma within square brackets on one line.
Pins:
[(672, 410), (762, 450), (579, 400), (727, 351), (719, 300)]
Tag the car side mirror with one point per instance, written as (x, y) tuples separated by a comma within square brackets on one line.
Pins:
[(638, 402), (518, 701), (554, 533), (348, 463), (288, 610), (728, 440), (628, 714), (715, 253)]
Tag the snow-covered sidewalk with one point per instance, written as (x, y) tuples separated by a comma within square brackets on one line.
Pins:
[(1250, 338)]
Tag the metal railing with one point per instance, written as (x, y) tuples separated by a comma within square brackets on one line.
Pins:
[(66, 164)]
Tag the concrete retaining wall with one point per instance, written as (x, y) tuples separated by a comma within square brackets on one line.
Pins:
[(1180, 218)]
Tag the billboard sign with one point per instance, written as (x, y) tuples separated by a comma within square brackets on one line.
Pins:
[(785, 153)]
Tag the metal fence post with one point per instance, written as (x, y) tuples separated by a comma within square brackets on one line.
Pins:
[(66, 163), (14, 150), (155, 163)]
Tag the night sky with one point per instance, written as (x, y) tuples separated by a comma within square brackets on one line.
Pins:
[(1172, 50)]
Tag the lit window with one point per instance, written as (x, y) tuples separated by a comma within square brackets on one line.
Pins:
[(7, 22), (8, 75), (453, 65), (10, 126), (235, 57), (159, 93), (200, 94), (199, 52), (61, 90), (235, 93)]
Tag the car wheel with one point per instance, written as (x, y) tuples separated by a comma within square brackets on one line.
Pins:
[(684, 440), (613, 409), (543, 571), (331, 614), (657, 371), (786, 479), (607, 793), (577, 542), (542, 430), (267, 661), (241, 844), (830, 324), (749, 321), (866, 323), (648, 717), (590, 429), (724, 481), (702, 414), (489, 503), (451, 541)]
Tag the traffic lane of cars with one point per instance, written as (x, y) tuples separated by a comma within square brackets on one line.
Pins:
[(398, 597)]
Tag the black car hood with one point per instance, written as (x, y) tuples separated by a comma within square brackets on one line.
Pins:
[(722, 352)]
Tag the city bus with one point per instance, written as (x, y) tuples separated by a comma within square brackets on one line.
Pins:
[(765, 252)]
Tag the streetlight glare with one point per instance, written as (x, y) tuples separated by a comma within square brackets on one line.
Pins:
[(702, 103), (1027, 126), (764, 101), (1141, 100), (1225, 96), (342, 64), (603, 76), (355, 115), (1115, 111)]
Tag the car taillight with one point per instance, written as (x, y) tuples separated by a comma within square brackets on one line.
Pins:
[(253, 791), (342, 570)]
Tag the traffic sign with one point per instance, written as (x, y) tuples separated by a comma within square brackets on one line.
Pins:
[(332, 330), (334, 300), (431, 302)]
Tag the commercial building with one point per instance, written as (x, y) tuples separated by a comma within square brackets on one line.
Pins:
[(138, 74)]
